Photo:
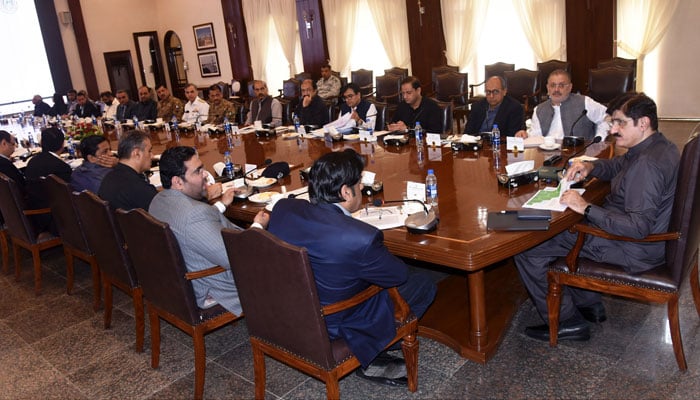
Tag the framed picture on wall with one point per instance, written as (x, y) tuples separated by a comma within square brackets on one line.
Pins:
[(204, 36), (209, 64)]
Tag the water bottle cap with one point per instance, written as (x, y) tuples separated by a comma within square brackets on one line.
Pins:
[(417, 123), (495, 126), (227, 153), (430, 171)]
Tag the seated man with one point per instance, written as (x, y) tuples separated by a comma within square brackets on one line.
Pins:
[(355, 111), (329, 84), (311, 109), (347, 256), (264, 108), (8, 144), (416, 108), (71, 95), (98, 161), (110, 104), (566, 113), (220, 108), (40, 106), (85, 108), (146, 109), (126, 186), (496, 108), (197, 225), (195, 108), (643, 183), (168, 105), (125, 109)]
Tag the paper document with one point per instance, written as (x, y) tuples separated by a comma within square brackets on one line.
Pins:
[(548, 198)]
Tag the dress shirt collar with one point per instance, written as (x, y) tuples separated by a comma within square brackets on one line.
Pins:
[(346, 212)]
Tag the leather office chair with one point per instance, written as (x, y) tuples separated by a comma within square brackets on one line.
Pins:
[(303, 75), (364, 79), (22, 231), (624, 63), (116, 269), (522, 86), (402, 72), (70, 229), (452, 86), (289, 98), (388, 89), (156, 255), (380, 120), (546, 68), (604, 84), (496, 69), (285, 319), (446, 107), (659, 285), (435, 71)]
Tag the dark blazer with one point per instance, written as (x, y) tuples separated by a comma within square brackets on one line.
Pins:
[(88, 110), (510, 117), (125, 188), (125, 111), (315, 114), (347, 256), (147, 110), (43, 164), (9, 169)]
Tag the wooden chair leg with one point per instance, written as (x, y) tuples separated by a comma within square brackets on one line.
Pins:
[(5, 252), (259, 370), (200, 362), (553, 305), (69, 269), (36, 259), (155, 336), (96, 288), (695, 287), (15, 254), (137, 296), (676, 332), (409, 346), (108, 302), (332, 387)]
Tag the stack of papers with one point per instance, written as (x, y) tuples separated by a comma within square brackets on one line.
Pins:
[(548, 198)]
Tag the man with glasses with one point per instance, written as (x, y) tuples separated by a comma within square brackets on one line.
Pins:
[(355, 111), (197, 225), (416, 108), (566, 113), (496, 108), (642, 188), (264, 108)]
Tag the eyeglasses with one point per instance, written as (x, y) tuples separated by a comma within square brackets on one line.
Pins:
[(620, 122), (558, 85), (349, 96), (494, 92)]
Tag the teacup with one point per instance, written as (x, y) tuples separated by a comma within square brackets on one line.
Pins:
[(548, 141)]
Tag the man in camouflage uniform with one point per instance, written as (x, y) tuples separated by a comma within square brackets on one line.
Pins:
[(168, 105), (219, 108)]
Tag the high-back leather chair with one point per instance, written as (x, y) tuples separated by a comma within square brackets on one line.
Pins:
[(303, 75), (452, 87), (70, 229), (285, 319), (435, 71), (402, 72), (388, 89), (106, 241), (446, 116), (522, 86), (658, 285), (364, 79), (22, 231), (289, 98), (624, 63), (156, 255), (380, 119), (545, 68), (604, 84), (495, 69)]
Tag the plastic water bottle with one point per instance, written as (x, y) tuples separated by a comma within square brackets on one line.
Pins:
[(118, 129), (297, 122), (229, 164), (227, 126), (496, 138), (30, 139), (71, 148), (176, 130), (168, 134), (419, 134), (136, 122), (431, 190)]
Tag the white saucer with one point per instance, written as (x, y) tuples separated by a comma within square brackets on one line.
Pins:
[(555, 146), (264, 197), (262, 182), (351, 137)]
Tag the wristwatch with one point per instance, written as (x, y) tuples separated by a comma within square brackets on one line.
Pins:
[(587, 210)]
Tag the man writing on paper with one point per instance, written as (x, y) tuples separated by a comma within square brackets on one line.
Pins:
[(567, 113), (355, 111), (642, 187)]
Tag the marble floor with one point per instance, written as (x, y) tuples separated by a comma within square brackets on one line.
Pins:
[(54, 347)]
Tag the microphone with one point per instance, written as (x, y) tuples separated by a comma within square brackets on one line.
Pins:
[(571, 140), (595, 140), (417, 222)]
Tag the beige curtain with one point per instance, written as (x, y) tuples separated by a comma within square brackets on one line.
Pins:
[(390, 19), (544, 25), (256, 15), (284, 14), (340, 17), (462, 22), (641, 24)]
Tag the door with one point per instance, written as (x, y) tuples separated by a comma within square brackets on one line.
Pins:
[(120, 70)]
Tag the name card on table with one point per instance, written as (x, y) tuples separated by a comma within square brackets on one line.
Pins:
[(512, 142), (258, 125), (368, 178), (434, 153), (366, 136), (415, 190), (433, 139)]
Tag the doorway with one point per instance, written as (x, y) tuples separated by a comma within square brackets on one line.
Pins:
[(120, 70), (176, 64)]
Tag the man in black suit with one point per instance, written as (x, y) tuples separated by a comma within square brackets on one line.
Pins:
[(85, 108), (7, 147), (497, 108), (146, 109), (40, 107), (125, 109)]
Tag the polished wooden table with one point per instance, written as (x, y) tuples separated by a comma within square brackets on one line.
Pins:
[(475, 305)]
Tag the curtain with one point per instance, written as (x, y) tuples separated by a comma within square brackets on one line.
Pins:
[(641, 24), (340, 16), (544, 25), (284, 14), (462, 22), (256, 15), (389, 17)]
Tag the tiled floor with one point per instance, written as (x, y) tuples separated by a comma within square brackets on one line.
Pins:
[(54, 347)]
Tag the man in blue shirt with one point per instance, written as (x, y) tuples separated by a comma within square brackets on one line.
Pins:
[(97, 162)]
